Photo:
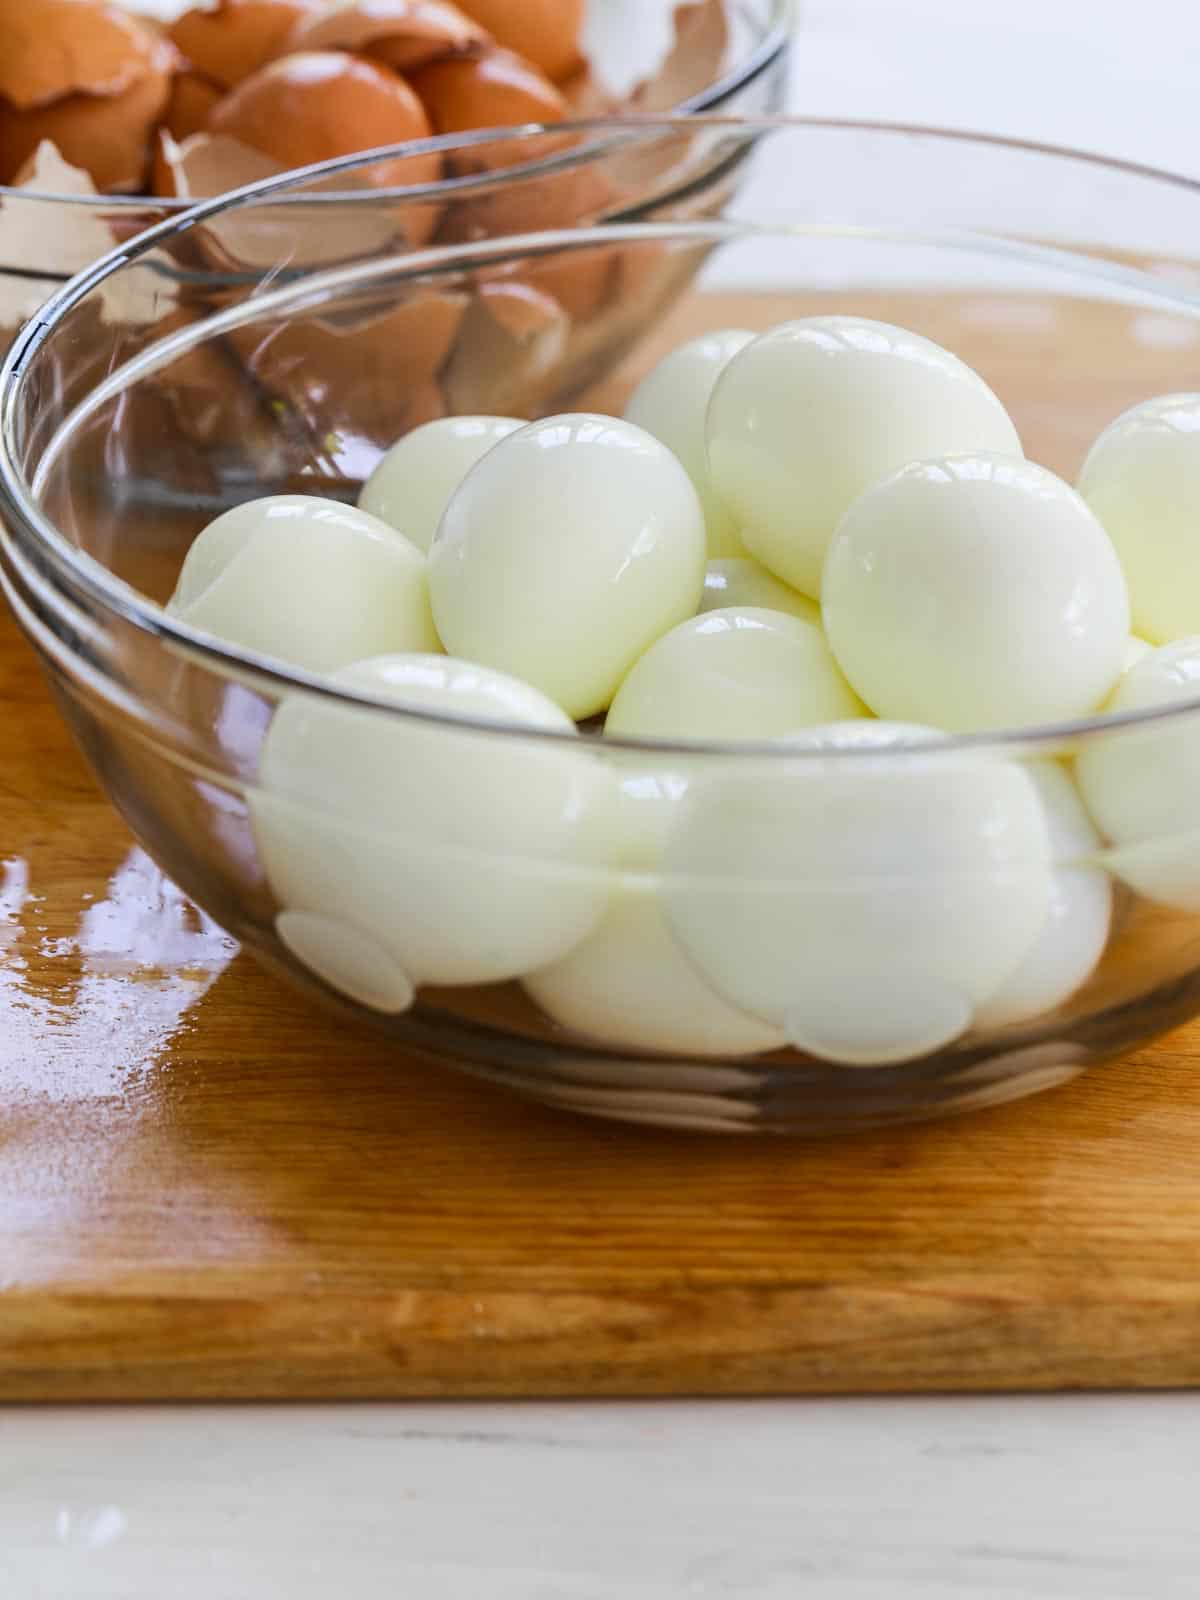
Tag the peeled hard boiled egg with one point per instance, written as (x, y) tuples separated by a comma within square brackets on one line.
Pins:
[(974, 592), (455, 856), (412, 485), (738, 581), (1075, 931), (671, 402), (565, 552), (741, 673), (807, 416), (311, 582), (1142, 479), (630, 985), (1142, 785), (864, 897)]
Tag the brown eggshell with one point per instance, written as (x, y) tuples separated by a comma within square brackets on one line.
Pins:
[(39, 239), (228, 43), (108, 136), (211, 400), (545, 32), (190, 104), (260, 238), (586, 96), (427, 405), (646, 282), (529, 205), (207, 164), (53, 48), (365, 380), (493, 90), (580, 280), (320, 104), (404, 34), (508, 352), (697, 58)]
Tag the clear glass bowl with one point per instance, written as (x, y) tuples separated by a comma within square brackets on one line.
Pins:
[(46, 237), (574, 916)]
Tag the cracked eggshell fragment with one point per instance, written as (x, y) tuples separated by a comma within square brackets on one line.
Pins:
[(109, 135), (189, 107), (208, 164), (570, 547), (312, 582), (64, 47), (627, 42), (494, 89), (204, 386), (545, 32), (319, 104), (671, 402), (202, 165), (697, 58), (403, 34), (228, 41), (866, 900), (512, 204), (1142, 784), (35, 237), (467, 857), (362, 379), (1075, 932), (508, 354)]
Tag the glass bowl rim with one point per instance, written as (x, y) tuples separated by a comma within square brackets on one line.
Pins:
[(763, 53), (79, 571)]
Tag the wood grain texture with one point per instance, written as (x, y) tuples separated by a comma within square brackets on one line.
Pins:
[(209, 1188)]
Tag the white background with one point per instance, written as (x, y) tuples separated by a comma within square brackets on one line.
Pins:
[(1016, 1499)]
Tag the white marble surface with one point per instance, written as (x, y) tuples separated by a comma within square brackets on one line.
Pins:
[(999, 1499)]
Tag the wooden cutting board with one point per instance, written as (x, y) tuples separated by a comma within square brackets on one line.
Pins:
[(208, 1188)]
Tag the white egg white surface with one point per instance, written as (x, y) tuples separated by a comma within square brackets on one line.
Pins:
[(466, 857), (975, 592), (570, 547), (866, 901), (671, 402), (1142, 784), (311, 582), (739, 581), (811, 414), (411, 486), (741, 673), (1075, 932), (1142, 479)]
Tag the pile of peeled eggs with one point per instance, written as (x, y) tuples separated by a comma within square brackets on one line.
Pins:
[(798, 563)]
